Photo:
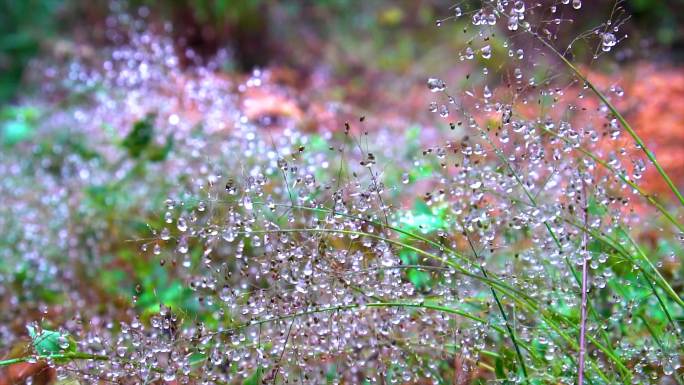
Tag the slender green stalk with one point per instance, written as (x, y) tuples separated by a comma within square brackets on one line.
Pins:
[(62, 356), (511, 334)]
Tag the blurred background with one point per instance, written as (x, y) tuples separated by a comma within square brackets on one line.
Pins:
[(371, 57), (349, 39)]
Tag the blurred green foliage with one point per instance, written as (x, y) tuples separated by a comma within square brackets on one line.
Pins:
[(661, 18), (24, 26), (17, 124)]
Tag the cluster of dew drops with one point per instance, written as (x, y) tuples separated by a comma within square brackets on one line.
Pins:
[(545, 186)]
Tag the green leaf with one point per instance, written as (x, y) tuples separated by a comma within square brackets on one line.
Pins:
[(418, 278), (197, 358), (17, 124), (595, 208), (49, 342), (423, 218), (16, 131), (255, 378), (140, 136), (159, 154), (331, 373), (499, 368)]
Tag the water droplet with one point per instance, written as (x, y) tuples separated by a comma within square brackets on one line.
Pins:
[(63, 342), (436, 85), (487, 92), (486, 52), (308, 269), (121, 351), (506, 115), (182, 246), (608, 41), (247, 203), (169, 376), (469, 53), (617, 90), (513, 22), (443, 111), (475, 185), (519, 6), (182, 225), (518, 73)]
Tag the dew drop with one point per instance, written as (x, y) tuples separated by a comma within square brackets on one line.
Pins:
[(513, 22), (519, 6), (183, 246), (247, 203), (63, 342), (487, 92), (436, 85), (443, 111), (182, 225), (486, 52), (608, 41)]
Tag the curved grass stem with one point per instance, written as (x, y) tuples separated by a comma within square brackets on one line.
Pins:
[(63, 356)]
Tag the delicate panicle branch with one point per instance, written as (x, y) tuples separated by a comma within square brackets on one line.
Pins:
[(642, 146)]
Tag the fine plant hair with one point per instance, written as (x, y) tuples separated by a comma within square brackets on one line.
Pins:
[(508, 249)]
